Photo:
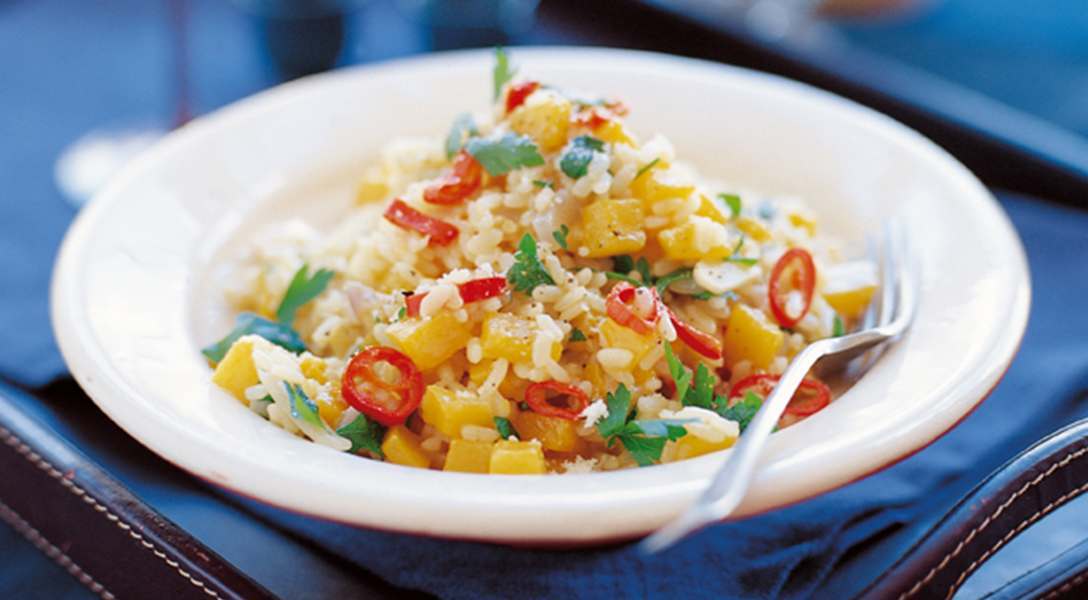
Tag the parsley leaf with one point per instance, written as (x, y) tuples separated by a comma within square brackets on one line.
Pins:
[(364, 434), (623, 264), (740, 260), (302, 407), (733, 201), (619, 404), (502, 73), (463, 127), (540, 183), (506, 429), (403, 312), (502, 155), (576, 335), (646, 167), (838, 329), (668, 279), (302, 289), (249, 323), (702, 390), (505, 154), (680, 375), (527, 272), (643, 268), (560, 236), (672, 429), (621, 277), (644, 449), (743, 411), (575, 161)]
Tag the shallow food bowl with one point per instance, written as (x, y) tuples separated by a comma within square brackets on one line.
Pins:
[(135, 296)]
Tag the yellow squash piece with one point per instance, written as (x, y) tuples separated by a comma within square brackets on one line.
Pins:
[(849, 287), (618, 336), (699, 238), (314, 368), (429, 342), (754, 229), (691, 446), (545, 117), (449, 411), (331, 410), (804, 222), (236, 371), (712, 210), (614, 132), (401, 447), (554, 433), (612, 227), (517, 458), (510, 337), (659, 184), (373, 187), (467, 456), (750, 336)]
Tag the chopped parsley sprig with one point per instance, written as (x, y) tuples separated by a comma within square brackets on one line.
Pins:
[(527, 272), (463, 128), (302, 289), (499, 156), (575, 161), (502, 73), (560, 236), (505, 428), (699, 391), (363, 434), (643, 439)]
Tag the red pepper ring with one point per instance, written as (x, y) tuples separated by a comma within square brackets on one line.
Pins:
[(536, 396), (699, 341), (810, 398), (518, 93), (795, 270), (406, 217), (618, 307), (460, 183), (387, 402), (471, 291)]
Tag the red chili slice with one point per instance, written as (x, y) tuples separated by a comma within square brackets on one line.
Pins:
[(591, 119), (387, 402), (703, 343), (618, 307), (795, 271), (811, 397), (537, 397), (462, 181), (402, 215), (471, 291), (518, 93)]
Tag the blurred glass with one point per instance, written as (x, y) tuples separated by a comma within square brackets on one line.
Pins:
[(453, 24)]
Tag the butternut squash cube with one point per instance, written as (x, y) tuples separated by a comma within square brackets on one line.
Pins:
[(850, 286), (510, 337), (612, 227), (691, 446), (430, 342), (545, 117), (517, 458), (697, 239), (401, 447), (331, 410), (659, 184), (750, 336), (754, 229), (467, 456), (313, 368), (553, 433), (618, 336), (712, 210), (614, 132), (449, 411), (236, 371)]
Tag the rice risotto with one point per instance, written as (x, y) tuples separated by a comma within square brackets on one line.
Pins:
[(540, 292)]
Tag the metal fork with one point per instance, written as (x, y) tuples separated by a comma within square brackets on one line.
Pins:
[(893, 315)]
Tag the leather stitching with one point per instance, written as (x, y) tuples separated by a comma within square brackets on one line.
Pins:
[(1068, 585), (11, 440), (993, 516), (25, 529)]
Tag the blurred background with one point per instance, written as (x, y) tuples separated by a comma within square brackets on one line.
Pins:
[(86, 85)]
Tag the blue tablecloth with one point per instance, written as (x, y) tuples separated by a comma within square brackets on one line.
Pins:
[(70, 67)]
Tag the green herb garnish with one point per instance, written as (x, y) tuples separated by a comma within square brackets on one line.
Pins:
[(575, 161), (621, 277), (668, 279), (463, 127), (540, 183), (740, 260), (363, 434), (644, 440), (646, 167), (702, 389), (506, 429), (838, 329), (643, 268), (302, 289), (499, 156), (576, 335), (527, 271), (680, 375), (403, 312), (560, 236), (623, 264), (502, 73), (743, 411), (249, 323), (733, 201), (302, 408)]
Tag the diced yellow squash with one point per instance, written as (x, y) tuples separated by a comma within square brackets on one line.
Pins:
[(467, 456), (712, 210), (331, 410), (545, 117), (510, 337), (754, 229), (618, 336), (697, 239), (429, 342), (373, 187), (449, 411), (594, 374), (659, 184), (691, 446), (804, 222), (750, 336), (510, 387), (614, 132), (236, 371), (517, 458), (554, 433), (850, 303), (314, 368), (401, 447), (612, 226), (849, 287)]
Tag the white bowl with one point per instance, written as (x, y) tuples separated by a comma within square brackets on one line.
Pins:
[(134, 296)]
